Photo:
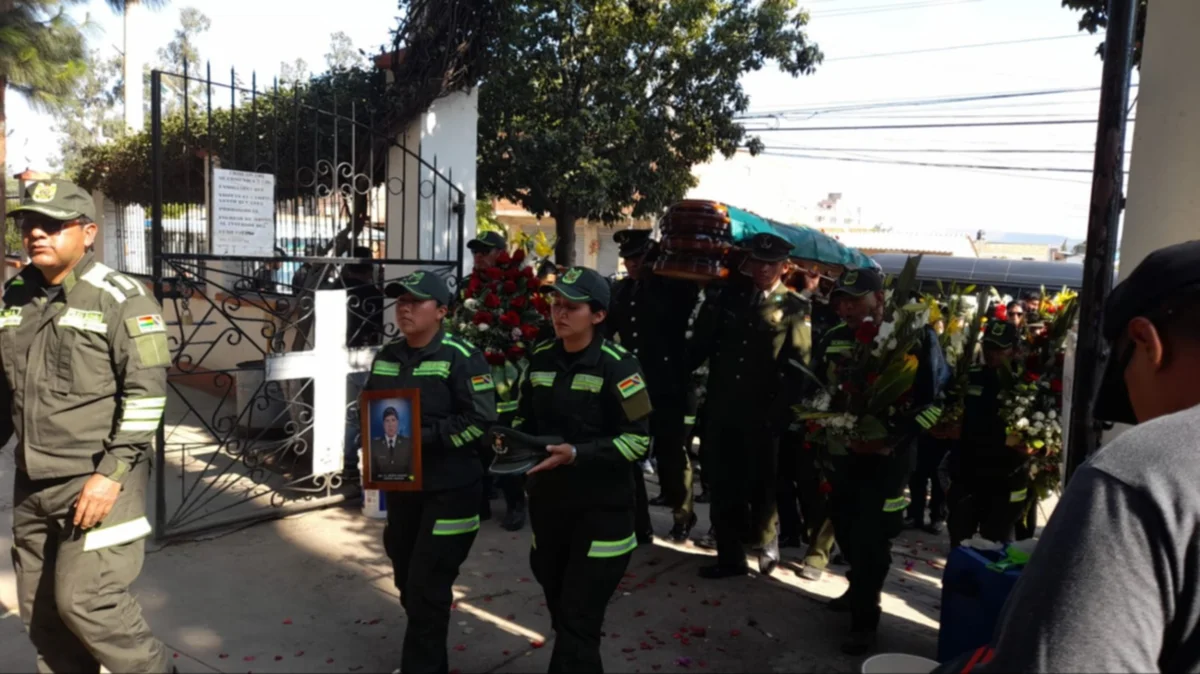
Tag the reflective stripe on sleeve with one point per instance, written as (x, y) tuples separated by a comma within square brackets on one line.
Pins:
[(1018, 496), (503, 407), (606, 549), (632, 447), (689, 420), (456, 527), (142, 414), (386, 368), (893, 504)]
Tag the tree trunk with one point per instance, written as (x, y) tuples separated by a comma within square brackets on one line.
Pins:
[(564, 230), (3, 180)]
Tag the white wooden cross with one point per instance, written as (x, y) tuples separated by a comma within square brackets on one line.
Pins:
[(327, 364)]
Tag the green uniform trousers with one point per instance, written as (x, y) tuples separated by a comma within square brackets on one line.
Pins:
[(668, 428), (428, 537), (743, 459), (579, 556), (75, 602), (868, 512)]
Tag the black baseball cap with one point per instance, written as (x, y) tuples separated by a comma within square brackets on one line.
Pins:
[(632, 242), (423, 285), (487, 241), (1000, 335), (859, 282), (580, 284), (1164, 274), (769, 247), (61, 200)]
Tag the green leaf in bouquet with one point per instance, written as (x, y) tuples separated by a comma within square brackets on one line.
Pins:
[(893, 382), (1038, 444), (805, 414), (968, 290), (906, 283), (870, 428)]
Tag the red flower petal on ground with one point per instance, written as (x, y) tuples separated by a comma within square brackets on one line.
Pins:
[(248, 658), (460, 647), (278, 658), (287, 621), (510, 616), (698, 631), (537, 644), (735, 633), (628, 650), (716, 602), (175, 656), (299, 653), (685, 641), (329, 661), (522, 580), (374, 621), (503, 652), (639, 613), (656, 667), (645, 646), (223, 656)]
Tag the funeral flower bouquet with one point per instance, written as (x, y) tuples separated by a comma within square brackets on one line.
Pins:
[(502, 311), (856, 402), (1032, 398), (959, 339)]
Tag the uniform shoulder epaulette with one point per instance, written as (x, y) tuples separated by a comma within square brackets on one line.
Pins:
[(113, 282), (14, 282), (614, 350), (543, 346), (459, 344)]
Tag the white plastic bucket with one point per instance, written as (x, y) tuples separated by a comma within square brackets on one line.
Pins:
[(373, 504), (898, 663)]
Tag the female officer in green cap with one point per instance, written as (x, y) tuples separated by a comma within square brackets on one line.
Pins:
[(589, 391)]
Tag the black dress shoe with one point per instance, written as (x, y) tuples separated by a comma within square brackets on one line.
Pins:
[(768, 557), (860, 642), (680, 532), (840, 604), (723, 571), (514, 519), (659, 500)]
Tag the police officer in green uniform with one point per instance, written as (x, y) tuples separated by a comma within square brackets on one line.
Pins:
[(591, 393), (85, 354), (756, 339), (429, 533), (650, 319), (867, 501), (990, 480)]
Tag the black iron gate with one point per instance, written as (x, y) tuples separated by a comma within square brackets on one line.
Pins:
[(261, 394)]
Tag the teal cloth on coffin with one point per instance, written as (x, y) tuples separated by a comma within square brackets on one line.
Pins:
[(807, 243)]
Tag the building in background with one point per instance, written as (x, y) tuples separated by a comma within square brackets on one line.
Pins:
[(594, 245)]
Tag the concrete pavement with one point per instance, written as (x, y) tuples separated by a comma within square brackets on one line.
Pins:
[(313, 593)]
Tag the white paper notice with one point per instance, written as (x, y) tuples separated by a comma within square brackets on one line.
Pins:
[(243, 213)]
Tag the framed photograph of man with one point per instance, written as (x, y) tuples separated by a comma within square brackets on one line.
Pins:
[(391, 441)]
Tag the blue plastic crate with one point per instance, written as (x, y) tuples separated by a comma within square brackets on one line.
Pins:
[(972, 598)]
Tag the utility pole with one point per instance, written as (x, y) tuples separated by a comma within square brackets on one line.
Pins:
[(132, 63), (1108, 200)]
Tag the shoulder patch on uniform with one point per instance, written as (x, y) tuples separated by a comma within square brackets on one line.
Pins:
[(145, 325), (104, 278), (482, 382), (630, 385)]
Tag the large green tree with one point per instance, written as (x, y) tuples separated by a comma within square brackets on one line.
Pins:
[(91, 113), (41, 58), (1095, 19), (600, 108)]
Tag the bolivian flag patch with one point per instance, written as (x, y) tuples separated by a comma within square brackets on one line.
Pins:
[(482, 383), (631, 385), (150, 323)]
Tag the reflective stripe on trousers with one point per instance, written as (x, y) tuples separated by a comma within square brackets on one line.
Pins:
[(604, 549), (455, 527), (893, 504)]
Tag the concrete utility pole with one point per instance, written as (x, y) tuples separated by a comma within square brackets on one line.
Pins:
[(132, 63), (1108, 185)]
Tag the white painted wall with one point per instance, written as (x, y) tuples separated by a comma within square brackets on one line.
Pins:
[(1163, 202)]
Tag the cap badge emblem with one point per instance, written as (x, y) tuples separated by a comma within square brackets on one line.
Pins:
[(572, 275), (851, 278), (43, 192)]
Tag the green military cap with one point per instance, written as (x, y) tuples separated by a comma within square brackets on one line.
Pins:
[(769, 247), (61, 200), (488, 241), (1000, 335), (423, 285), (580, 284), (859, 282)]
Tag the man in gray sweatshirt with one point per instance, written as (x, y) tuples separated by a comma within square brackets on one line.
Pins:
[(1114, 585)]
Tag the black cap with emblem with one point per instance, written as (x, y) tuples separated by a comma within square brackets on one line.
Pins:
[(1165, 274), (767, 247), (487, 242), (580, 284), (1000, 335), (61, 200), (423, 285), (859, 282), (516, 452), (633, 242)]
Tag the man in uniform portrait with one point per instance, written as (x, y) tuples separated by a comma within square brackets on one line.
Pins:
[(391, 455)]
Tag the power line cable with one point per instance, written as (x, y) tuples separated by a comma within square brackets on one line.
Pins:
[(943, 100), (955, 125), (902, 162), (928, 150), (931, 50), (879, 9)]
